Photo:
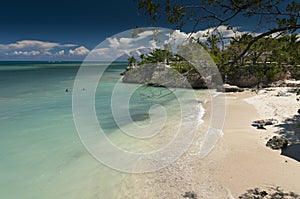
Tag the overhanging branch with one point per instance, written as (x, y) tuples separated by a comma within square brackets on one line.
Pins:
[(265, 34)]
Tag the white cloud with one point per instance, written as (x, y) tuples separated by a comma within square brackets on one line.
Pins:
[(100, 51), (153, 44), (126, 44), (144, 34), (180, 38), (61, 52), (176, 38), (46, 46), (67, 45), (47, 53), (224, 31), (125, 40), (140, 36), (38, 50), (113, 42), (79, 51), (26, 53)]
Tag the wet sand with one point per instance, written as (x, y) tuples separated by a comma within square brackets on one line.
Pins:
[(240, 165)]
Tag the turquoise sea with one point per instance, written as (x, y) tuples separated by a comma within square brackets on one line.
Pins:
[(41, 154)]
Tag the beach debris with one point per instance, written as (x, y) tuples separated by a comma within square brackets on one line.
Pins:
[(277, 142), (190, 194), (229, 88), (286, 83), (283, 94), (292, 83), (264, 122)]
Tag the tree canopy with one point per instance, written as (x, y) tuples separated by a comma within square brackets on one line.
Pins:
[(275, 16)]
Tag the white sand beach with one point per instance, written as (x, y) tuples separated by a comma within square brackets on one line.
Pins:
[(240, 166), (249, 164)]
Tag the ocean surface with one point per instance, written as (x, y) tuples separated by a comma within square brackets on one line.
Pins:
[(41, 153)]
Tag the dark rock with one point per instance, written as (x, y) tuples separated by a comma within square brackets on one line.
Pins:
[(277, 143), (243, 80), (279, 83), (190, 194), (263, 193)]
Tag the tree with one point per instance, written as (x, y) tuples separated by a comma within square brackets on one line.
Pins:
[(157, 55), (132, 61), (279, 16)]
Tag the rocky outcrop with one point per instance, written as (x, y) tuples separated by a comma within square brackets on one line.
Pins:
[(163, 75), (229, 88), (244, 81), (277, 143), (160, 74)]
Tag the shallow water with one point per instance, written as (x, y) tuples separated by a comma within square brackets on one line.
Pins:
[(41, 154)]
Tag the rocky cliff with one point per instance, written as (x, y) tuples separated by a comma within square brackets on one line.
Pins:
[(163, 75)]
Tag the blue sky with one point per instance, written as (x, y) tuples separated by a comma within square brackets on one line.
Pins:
[(67, 21), (65, 29), (62, 24)]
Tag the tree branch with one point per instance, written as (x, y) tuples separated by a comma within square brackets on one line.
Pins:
[(268, 33)]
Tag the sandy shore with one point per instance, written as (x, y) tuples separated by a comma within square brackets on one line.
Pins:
[(249, 164), (240, 165)]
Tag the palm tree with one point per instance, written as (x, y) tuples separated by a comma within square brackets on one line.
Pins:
[(159, 55), (131, 61)]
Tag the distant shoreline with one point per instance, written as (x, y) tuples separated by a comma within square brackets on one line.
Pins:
[(55, 62)]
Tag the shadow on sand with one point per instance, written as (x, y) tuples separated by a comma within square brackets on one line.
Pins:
[(292, 151), (269, 193), (290, 129)]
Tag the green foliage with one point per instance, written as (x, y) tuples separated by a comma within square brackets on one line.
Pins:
[(157, 55), (184, 67), (177, 62), (272, 73), (268, 72), (267, 60), (276, 16), (131, 60)]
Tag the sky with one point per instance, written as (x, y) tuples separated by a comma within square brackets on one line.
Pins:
[(64, 29)]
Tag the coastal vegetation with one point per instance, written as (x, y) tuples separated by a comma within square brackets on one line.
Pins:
[(268, 60), (162, 68), (247, 60)]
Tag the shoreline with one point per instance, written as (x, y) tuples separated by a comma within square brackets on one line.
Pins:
[(249, 164), (238, 164), (189, 173)]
